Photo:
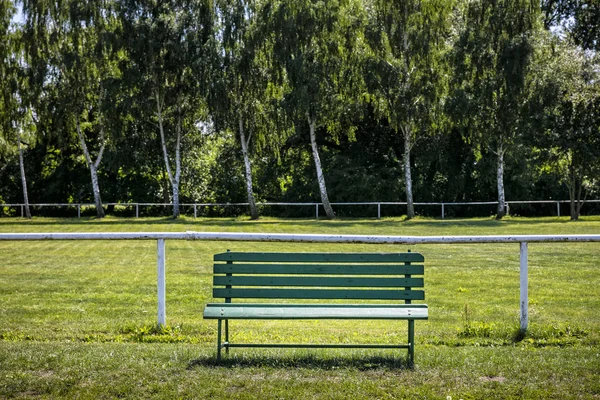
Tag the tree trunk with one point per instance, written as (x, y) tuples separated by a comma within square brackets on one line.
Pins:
[(500, 182), (93, 166), (165, 185), (23, 178), (249, 191), (572, 208), (575, 190), (173, 179), (320, 177), (579, 199), (573, 198), (410, 208), (176, 211), (96, 189)]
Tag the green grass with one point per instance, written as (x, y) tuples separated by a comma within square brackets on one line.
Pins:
[(78, 317)]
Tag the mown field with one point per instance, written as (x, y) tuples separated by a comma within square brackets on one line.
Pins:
[(78, 317)]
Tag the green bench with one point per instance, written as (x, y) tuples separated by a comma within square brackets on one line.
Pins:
[(323, 279)]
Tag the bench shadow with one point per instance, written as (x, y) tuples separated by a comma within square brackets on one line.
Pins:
[(304, 361)]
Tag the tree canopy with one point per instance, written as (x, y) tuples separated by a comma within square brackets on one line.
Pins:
[(246, 101)]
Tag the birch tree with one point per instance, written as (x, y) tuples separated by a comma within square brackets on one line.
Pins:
[(24, 129), (407, 71), (93, 68), (315, 45), (75, 44), (566, 113), (16, 128), (240, 80), (166, 44), (492, 60)]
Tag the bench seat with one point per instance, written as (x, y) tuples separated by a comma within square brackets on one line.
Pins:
[(315, 311)]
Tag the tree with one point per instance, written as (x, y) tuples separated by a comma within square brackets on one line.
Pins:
[(492, 59), (240, 100), (167, 45), (93, 70), (316, 45), (14, 113), (567, 107), (578, 17), (69, 45), (407, 70)]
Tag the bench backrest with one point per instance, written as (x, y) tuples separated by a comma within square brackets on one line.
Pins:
[(364, 276)]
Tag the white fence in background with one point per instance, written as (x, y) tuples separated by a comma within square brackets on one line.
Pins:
[(161, 237), (316, 206)]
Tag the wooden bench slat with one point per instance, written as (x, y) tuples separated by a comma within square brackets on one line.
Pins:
[(320, 281), (319, 269), (261, 311), (319, 294), (319, 257), (319, 305)]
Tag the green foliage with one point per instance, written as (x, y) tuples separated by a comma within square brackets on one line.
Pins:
[(315, 50), (577, 18), (472, 329), (407, 68), (492, 58), (155, 334), (469, 84), (567, 105)]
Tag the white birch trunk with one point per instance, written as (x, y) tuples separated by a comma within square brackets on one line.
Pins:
[(177, 170), (174, 180), (500, 183), (93, 166), (320, 177), (23, 178), (249, 191), (410, 208)]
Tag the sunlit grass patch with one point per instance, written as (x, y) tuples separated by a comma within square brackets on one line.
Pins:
[(79, 319)]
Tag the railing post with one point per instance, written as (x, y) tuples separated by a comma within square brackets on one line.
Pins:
[(162, 313), (317, 210), (378, 210), (524, 287), (78, 210), (558, 209), (195, 211), (137, 210), (442, 210)]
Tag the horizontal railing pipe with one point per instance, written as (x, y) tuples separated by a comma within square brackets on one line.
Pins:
[(298, 237), (160, 237)]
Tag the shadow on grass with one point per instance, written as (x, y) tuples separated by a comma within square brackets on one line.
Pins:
[(42, 221), (268, 221), (304, 361), (491, 222), (519, 335), (188, 222)]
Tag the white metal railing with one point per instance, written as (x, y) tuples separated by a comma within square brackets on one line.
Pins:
[(316, 206), (161, 237)]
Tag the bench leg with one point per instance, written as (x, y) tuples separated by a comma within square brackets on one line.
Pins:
[(219, 340), (227, 335), (411, 342)]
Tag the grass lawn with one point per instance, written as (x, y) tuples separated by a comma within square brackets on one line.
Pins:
[(78, 317)]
